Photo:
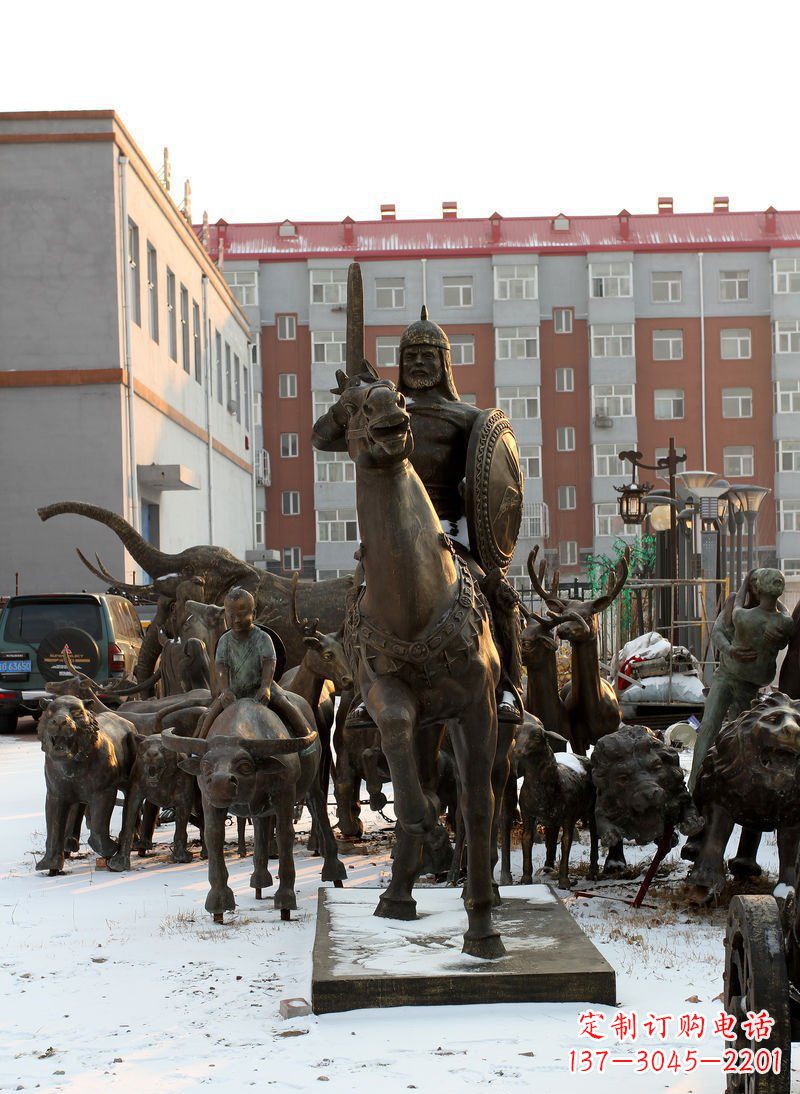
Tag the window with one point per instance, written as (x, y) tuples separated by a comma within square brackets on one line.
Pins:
[(244, 286), (565, 379), (667, 345), (666, 286), (198, 363), (515, 282), (535, 521), (530, 460), (457, 291), (607, 463), (737, 402), (172, 327), (185, 327), (468, 398), (519, 402), (565, 439), (610, 279), (337, 526), (567, 497), (260, 527), (246, 383), (287, 385), (238, 382), (790, 567), (737, 462), (291, 559), (328, 347), (612, 340), (134, 281), (734, 284), (287, 327), (323, 401), (462, 349), (329, 575), (787, 275), (228, 378), (218, 355), (667, 404), (152, 290), (329, 286), (390, 292), (517, 343), (608, 522), (789, 515), (290, 503), (255, 356), (787, 397), (387, 351), (257, 410), (333, 467), (735, 344), (562, 320), (613, 400), (568, 553), (289, 445), (662, 454), (787, 456), (786, 336)]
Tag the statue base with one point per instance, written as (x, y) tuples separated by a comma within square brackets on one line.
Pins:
[(362, 961)]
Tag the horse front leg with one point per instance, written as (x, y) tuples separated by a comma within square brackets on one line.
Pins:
[(394, 708), (501, 769), (474, 738)]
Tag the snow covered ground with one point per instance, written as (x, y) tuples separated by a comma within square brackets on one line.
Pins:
[(122, 982)]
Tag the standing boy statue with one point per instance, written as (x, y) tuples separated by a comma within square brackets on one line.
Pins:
[(245, 662)]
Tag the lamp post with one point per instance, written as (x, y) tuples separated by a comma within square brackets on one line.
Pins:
[(750, 499), (668, 463)]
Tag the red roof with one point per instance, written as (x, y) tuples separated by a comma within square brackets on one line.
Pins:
[(498, 235)]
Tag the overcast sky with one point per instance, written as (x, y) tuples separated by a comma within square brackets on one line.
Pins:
[(315, 110)]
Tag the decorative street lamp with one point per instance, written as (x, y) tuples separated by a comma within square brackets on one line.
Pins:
[(750, 499), (632, 500)]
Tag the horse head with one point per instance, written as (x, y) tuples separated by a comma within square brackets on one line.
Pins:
[(378, 424)]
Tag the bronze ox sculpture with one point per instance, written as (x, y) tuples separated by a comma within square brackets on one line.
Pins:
[(251, 766), (419, 641), (88, 759)]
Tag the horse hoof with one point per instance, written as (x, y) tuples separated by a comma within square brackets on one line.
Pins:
[(488, 947), (217, 917), (258, 895), (396, 909), (506, 879), (526, 879), (378, 801), (338, 884), (744, 867), (286, 915)]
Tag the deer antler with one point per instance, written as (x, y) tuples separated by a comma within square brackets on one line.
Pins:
[(101, 572), (73, 668), (307, 627), (549, 596), (614, 588)]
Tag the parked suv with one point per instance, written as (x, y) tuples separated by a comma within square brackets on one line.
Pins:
[(103, 633)]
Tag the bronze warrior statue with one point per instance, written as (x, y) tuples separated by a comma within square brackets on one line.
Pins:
[(441, 426)]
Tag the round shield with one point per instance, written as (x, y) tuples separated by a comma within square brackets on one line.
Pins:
[(493, 497)]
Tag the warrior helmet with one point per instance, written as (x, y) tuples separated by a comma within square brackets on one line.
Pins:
[(426, 333)]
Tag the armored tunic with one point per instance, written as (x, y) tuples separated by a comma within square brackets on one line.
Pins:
[(242, 658)]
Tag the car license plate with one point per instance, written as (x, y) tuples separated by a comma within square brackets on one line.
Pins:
[(15, 667)]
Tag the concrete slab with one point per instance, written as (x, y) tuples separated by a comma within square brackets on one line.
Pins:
[(361, 961)]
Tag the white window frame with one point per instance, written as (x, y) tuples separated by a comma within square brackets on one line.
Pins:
[(519, 402), (286, 327), (672, 281), (568, 552), (608, 522), (787, 396), (328, 286), (612, 340), (516, 343), (516, 282), (321, 402), (786, 336), (292, 559), (565, 438), (260, 529), (563, 320), (329, 347), (736, 344), (530, 460), (610, 280), (784, 449), (290, 446), (462, 349), (387, 351), (535, 523), (790, 567), (745, 455), (734, 285), (290, 503), (614, 467), (333, 467), (567, 497), (287, 385), (152, 289), (737, 399), (565, 379), (244, 287), (337, 526), (390, 293), (614, 400), (789, 515), (258, 412), (457, 291), (668, 345), (786, 275), (668, 404)]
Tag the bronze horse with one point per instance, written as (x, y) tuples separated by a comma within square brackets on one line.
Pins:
[(418, 637)]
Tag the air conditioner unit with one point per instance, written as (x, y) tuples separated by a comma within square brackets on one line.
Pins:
[(231, 406), (603, 421), (263, 471)]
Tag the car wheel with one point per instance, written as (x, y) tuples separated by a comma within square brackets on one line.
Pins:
[(8, 722), (83, 651)]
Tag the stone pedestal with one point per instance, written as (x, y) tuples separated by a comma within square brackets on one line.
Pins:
[(362, 961)]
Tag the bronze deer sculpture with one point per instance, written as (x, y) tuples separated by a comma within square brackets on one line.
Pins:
[(419, 640)]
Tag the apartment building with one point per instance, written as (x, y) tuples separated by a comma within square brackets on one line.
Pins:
[(594, 334), (125, 368)]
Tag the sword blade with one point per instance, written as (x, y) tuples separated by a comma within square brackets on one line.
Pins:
[(355, 320)]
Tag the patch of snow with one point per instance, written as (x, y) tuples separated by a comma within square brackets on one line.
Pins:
[(573, 762), (782, 891)]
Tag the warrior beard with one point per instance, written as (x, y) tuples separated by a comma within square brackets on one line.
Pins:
[(422, 383)]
